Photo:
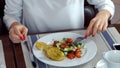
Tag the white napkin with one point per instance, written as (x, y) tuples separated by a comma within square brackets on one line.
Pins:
[(2, 59)]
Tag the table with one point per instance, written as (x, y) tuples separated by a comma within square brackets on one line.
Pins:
[(13, 53), (117, 26), (8, 51)]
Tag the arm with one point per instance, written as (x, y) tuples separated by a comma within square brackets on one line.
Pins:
[(12, 12), (100, 22), (103, 5), (12, 19)]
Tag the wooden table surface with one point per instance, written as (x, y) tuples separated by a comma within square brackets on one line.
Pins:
[(8, 51), (13, 52), (117, 26)]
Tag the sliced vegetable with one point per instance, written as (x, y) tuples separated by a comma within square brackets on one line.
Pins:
[(71, 55), (70, 49), (77, 54), (69, 40)]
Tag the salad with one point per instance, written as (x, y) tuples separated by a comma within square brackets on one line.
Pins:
[(69, 48)]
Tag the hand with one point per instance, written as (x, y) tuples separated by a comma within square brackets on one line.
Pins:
[(98, 24), (17, 32)]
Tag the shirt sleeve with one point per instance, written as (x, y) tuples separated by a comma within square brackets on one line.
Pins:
[(12, 12), (103, 4)]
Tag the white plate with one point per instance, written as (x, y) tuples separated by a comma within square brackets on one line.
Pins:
[(90, 46), (101, 64)]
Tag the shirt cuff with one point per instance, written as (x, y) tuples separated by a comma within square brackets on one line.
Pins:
[(110, 9), (9, 21)]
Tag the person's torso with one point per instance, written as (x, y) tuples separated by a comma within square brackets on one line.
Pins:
[(50, 15)]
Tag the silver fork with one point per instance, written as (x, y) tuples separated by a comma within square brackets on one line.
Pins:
[(79, 40)]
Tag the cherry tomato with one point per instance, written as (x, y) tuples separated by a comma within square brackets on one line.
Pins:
[(64, 45), (78, 50), (69, 40), (77, 54), (70, 55), (55, 42)]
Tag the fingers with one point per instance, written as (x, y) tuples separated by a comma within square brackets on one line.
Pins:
[(99, 23), (14, 37), (24, 32), (105, 27), (89, 30), (96, 26), (18, 33)]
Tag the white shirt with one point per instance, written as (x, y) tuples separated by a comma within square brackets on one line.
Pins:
[(50, 15)]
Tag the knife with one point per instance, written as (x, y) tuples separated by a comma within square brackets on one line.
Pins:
[(34, 64)]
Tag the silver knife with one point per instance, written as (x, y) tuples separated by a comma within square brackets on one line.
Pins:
[(34, 64)]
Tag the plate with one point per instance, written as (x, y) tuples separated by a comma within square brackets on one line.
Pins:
[(89, 52), (101, 64)]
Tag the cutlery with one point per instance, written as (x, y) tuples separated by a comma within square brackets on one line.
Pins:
[(80, 40), (34, 64)]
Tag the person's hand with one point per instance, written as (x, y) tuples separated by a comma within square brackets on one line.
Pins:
[(17, 32), (99, 23)]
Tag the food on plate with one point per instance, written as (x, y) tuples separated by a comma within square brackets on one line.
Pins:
[(69, 48), (41, 45), (58, 50), (54, 53), (50, 51)]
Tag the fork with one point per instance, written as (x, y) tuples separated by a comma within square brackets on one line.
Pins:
[(81, 39), (78, 40)]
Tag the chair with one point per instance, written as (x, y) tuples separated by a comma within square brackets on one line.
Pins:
[(89, 11), (3, 29)]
